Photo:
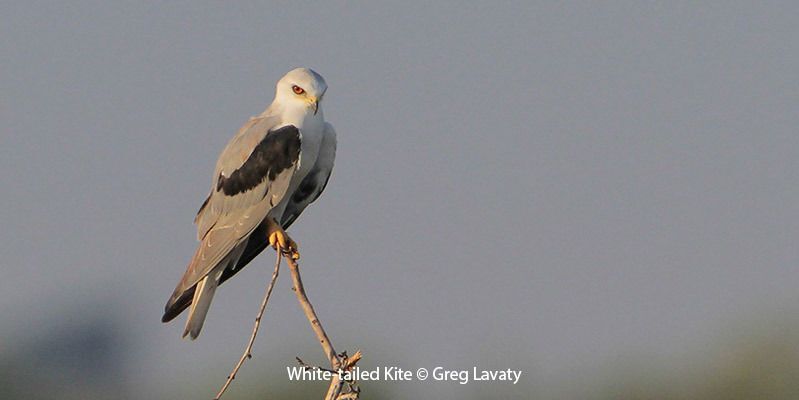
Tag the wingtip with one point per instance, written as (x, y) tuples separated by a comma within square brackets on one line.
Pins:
[(176, 305), (170, 312)]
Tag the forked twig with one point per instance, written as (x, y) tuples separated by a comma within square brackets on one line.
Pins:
[(347, 364), (337, 362), (248, 350)]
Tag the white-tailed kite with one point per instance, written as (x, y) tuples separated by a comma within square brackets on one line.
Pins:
[(276, 165)]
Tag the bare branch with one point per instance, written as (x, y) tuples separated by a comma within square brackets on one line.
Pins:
[(335, 390), (316, 325), (248, 350), (339, 389)]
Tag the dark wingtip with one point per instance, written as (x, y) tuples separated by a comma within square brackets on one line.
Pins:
[(169, 312), (174, 306)]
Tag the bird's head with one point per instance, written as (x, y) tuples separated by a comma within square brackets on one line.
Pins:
[(302, 88)]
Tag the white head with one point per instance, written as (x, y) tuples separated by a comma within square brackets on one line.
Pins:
[(300, 89)]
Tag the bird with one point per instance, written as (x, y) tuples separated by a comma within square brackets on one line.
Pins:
[(277, 164)]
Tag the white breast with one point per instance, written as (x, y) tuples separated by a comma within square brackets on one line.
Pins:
[(311, 128)]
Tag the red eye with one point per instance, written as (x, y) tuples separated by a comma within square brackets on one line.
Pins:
[(297, 89)]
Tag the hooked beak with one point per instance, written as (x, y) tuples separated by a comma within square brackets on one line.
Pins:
[(314, 103)]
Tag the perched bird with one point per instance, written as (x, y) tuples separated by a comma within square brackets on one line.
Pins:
[(277, 164)]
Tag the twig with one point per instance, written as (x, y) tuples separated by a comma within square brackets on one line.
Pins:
[(334, 391), (248, 350), (353, 391), (347, 364), (338, 362), (299, 290)]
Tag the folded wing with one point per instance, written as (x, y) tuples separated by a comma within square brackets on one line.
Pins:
[(252, 176)]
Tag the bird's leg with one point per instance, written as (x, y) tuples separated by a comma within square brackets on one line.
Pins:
[(279, 238)]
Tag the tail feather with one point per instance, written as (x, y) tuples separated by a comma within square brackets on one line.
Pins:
[(203, 294)]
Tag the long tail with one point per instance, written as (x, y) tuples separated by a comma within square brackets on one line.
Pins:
[(203, 294)]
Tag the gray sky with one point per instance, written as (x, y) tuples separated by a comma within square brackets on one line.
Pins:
[(543, 187)]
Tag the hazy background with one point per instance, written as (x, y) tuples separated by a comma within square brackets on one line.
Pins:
[(604, 196)]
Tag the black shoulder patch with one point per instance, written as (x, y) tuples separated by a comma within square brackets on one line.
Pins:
[(279, 150)]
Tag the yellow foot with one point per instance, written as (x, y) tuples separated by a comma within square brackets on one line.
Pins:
[(278, 238)]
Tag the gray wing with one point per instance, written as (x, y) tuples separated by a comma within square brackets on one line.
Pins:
[(308, 191), (252, 176)]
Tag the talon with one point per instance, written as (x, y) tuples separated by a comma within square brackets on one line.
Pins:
[(278, 238), (292, 249), (281, 239)]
